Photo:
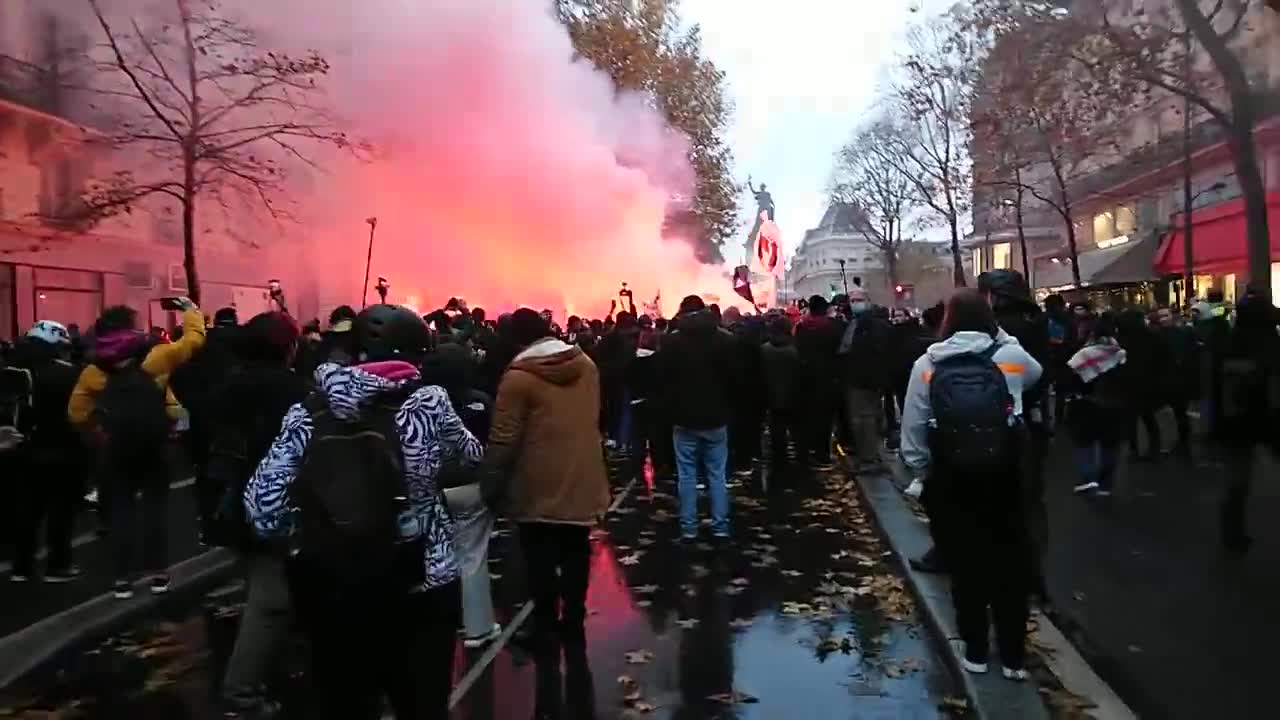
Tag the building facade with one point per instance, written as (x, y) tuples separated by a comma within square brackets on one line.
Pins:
[(67, 271), (1128, 202), (816, 267)]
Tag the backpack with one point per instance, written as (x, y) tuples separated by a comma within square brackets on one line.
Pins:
[(15, 402), (132, 410), (349, 493), (972, 428)]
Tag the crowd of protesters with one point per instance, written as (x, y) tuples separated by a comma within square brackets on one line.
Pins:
[(357, 468)]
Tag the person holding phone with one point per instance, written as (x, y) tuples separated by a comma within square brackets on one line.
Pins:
[(124, 404)]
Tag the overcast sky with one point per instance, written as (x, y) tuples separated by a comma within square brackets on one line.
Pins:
[(801, 74)]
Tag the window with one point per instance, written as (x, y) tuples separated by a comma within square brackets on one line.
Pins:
[(1104, 225), (68, 296), (1202, 285), (1000, 256), (1126, 220), (1275, 283), (1229, 288)]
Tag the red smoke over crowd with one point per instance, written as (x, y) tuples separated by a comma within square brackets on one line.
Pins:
[(505, 170)]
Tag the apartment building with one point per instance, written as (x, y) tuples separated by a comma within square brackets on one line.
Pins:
[(1127, 205), (52, 268)]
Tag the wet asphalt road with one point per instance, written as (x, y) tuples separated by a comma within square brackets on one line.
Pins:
[(798, 617)]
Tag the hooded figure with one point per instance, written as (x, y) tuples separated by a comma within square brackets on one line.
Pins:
[(395, 636), (545, 467), (975, 511)]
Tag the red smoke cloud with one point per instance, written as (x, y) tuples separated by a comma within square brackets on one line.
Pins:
[(506, 172)]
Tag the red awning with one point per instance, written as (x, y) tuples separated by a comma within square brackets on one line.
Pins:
[(1219, 239)]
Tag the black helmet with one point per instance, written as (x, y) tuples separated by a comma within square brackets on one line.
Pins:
[(391, 332), (1006, 285)]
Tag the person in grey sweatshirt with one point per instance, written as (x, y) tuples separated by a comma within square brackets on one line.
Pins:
[(976, 517)]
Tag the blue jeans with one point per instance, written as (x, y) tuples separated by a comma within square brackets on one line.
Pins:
[(707, 449), (1097, 463)]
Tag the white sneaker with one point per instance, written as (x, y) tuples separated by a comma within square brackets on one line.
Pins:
[(473, 643), (915, 489), (91, 497), (976, 668), (1085, 487), (1019, 675)]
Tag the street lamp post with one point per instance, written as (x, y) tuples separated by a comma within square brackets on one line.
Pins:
[(843, 278), (364, 296)]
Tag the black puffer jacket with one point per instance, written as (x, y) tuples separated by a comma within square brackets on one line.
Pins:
[(780, 363), (45, 423), (245, 414), (697, 373)]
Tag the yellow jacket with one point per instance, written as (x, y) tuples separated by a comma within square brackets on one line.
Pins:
[(159, 363)]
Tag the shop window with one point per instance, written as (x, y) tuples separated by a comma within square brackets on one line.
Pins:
[(1104, 224), (1275, 284), (1229, 288), (1001, 256), (1203, 285), (1126, 220), (69, 306)]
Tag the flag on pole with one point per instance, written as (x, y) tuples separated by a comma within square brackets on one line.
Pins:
[(768, 255), (742, 283)]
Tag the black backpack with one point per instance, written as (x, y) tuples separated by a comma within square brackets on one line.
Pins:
[(349, 492), (972, 429), (132, 410)]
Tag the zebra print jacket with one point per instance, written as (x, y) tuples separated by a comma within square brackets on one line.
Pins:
[(430, 433)]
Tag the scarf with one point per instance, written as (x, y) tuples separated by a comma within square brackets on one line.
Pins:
[(1097, 359)]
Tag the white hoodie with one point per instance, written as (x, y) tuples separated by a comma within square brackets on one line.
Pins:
[(1021, 371)]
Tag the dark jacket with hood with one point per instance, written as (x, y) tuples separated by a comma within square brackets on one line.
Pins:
[(817, 339), (780, 365), (697, 372)]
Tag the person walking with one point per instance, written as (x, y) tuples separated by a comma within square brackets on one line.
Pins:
[(50, 464), (960, 433), (1102, 416), (780, 367), (350, 486), (453, 368), (1247, 407), (544, 468), (866, 365), (123, 402), (698, 376), (817, 339), (244, 414)]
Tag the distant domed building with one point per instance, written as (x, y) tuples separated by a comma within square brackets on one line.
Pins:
[(815, 266)]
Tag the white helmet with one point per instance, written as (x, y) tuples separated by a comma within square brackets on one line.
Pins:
[(54, 333)]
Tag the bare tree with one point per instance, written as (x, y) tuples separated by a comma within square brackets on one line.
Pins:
[(934, 96), (1132, 50), (867, 177), (1048, 126), (201, 110)]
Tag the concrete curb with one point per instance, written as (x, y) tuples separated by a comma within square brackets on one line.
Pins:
[(26, 650), (991, 697)]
